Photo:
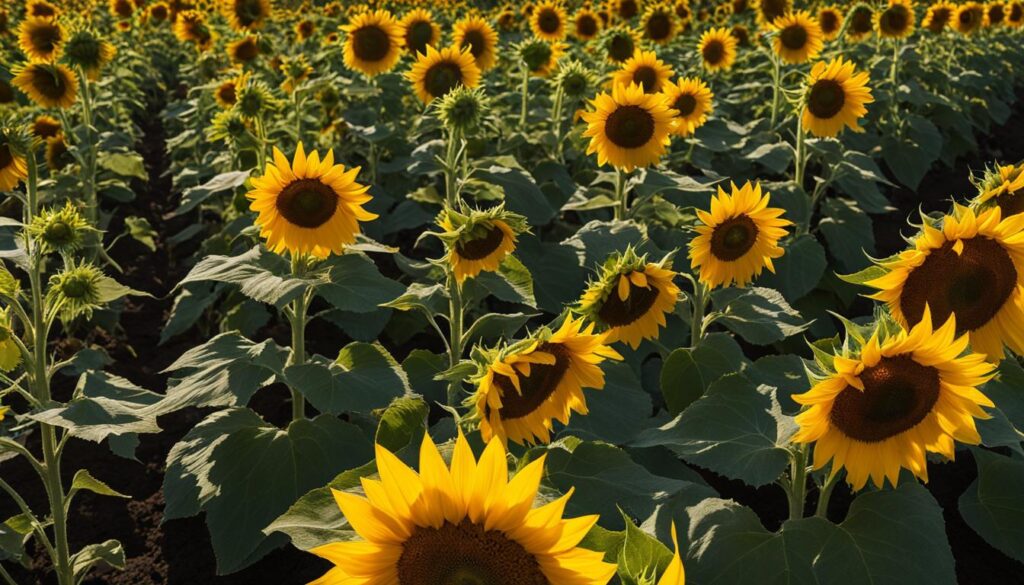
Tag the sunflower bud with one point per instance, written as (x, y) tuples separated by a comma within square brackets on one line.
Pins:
[(254, 101), (535, 54), (61, 230), (86, 50), (76, 289), (575, 80), (463, 109)]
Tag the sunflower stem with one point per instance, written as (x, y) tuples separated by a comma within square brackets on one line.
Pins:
[(894, 77), (800, 158), (524, 105), (89, 172), (798, 482), (556, 120), (776, 88), (621, 197), (455, 320), (451, 170), (300, 306), (700, 303), (824, 494)]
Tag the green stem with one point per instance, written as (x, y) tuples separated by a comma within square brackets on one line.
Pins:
[(801, 154), (798, 483), (298, 114), (894, 77), (456, 315), (825, 494), (556, 120), (452, 168), (261, 138), (525, 97), (700, 303), (621, 197), (776, 88), (89, 172), (298, 322)]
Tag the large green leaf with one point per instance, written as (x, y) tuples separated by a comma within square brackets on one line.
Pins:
[(244, 473), (688, 372), (558, 277), (993, 504), (364, 377), (104, 405), (758, 315), (642, 556), (512, 282), (109, 553), (616, 413), (353, 283), (848, 232), (799, 270), (260, 276), (522, 195)]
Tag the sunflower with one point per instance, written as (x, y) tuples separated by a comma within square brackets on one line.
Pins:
[(887, 403), (1015, 15), (482, 40), (420, 31), (995, 14), (50, 85), (309, 206), (739, 237), (646, 70), (938, 16), (630, 297), (304, 29), (659, 24), (40, 38), (40, 8), (620, 44), (121, 8), (57, 154), (507, 19), (295, 70), (798, 37), (628, 128), (541, 57), (436, 73), (717, 48), (624, 9), (226, 94), (742, 35), (10, 354), (44, 127), (769, 10), (523, 388), (836, 96), (973, 268), (548, 21), (158, 12), (691, 99), (830, 20), (191, 27), (586, 24), (463, 523), (246, 14), (85, 49), (480, 240), (13, 169), (244, 50), (1005, 190), (862, 23), (373, 42), (969, 18), (896, 20)]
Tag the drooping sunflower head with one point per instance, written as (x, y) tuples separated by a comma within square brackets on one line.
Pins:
[(481, 39), (620, 44), (798, 37), (836, 98), (479, 241), (308, 206), (87, 50), (890, 396), (50, 85), (830, 19), (420, 31), (1004, 188), (717, 48), (628, 128), (541, 57), (659, 24), (57, 154), (645, 69), (995, 14), (738, 237), (768, 11), (630, 297), (896, 20), (466, 522), (575, 79), (246, 14), (60, 230), (1015, 14), (523, 388), (548, 21), (463, 109), (254, 100), (244, 50), (373, 42), (862, 23), (77, 289), (435, 73), (691, 99), (44, 127), (586, 24), (969, 18), (41, 38), (938, 17), (971, 266)]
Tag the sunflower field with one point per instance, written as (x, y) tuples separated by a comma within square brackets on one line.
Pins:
[(547, 292)]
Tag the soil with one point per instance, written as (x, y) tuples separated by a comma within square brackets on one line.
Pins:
[(179, 552)]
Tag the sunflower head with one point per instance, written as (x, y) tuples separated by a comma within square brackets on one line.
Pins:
[(619, 44), (245, 49), (226, 93), (295, 69), (41, 8), (1004, 188), (587, 24), (738, 237), (60, 230), (436, 73), (190, 26), (768, 11), (890, 395), (57, 154), (373, 42), (309, 206), (644, 69), (41, 38), (540, 57), (896, 20), (624, 9), (50, 85), (420, 31), (830, 20), (691, 99), (995, 14), (254, 100), (481, 39), (304, 29), (479, 241), (463, 109), (575, 79), (77, 289), (548, 21), (158, 12), (969, 18), (630, 297), (87, 50), (246, 14), (862, 20), (798, 37), (121, 9), (1015, 14), (938, 17), (659, 24), (44, 127), (628, 128), (836, 97), (717, 49), (14, 143), (10, 353)]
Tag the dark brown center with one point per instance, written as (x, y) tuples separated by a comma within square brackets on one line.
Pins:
[(685, 104), (860, 21), (6, 158), (247, 50), (618, 313), (466, 554), (628, 9), (826, 98), (248, 12), (45, 37), (793, 37), (772, 9), (307, 203), (995, 14), (586, 26), (647, 77), (548, 21), (226, 93), (733, 238), (535, 388), (441, 78), (50, 83), (829, 22), (481, 247), (898, 394), (895, 19), (713, 52), (370, 43), (123, 8), (418, 36), (659, 26), (940, 17), (973, 285), (476, 41), (1016, 12), (621, 48), (629, 127)]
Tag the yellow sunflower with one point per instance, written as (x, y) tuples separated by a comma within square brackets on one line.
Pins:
[(463, 523), (739, 237), (34, 8), (57, 154), (482, 40), (938, 17), (862, 23), (436, 73), (659, 24), (40, 38), (628, 128), (480, 240), (995, 14), (87, 50), (1015, 15), (896, 20), (420, 31), (50, 85), (631, 297), (691, 99), (158, 12), (309, 206), (836, 98), (646, 70), (244, 50), (973, 268), (1006, 190), (769, 10), (969, 18), (523, 388), (44, 127), (246, 14), (304, 29), (548, 21), (899, 396), (830, 20), (121, 8), (586, 24), (541, 57), (717, 48), (13, 168), (624, 9), (620, 44), (373, 42), (191, 27), (798, 37)]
